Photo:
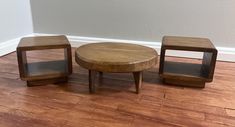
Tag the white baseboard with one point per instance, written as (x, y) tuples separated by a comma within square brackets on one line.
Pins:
[(224, 53), (10, 45)]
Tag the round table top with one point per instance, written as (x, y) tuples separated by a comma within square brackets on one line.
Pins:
[(115, 57)]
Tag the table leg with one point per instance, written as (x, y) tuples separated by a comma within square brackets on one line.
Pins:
[(92, 76), (100, 78), (138, 76)]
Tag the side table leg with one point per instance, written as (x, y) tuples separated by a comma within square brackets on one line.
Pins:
[(92, 76), (100, 78), (138, 76)]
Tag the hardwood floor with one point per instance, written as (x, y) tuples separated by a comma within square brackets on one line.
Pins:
[(114, 104)]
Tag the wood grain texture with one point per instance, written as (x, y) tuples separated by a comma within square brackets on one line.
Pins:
[(188, 43), (114, 105), (43, 72), (116, 57), (43, 42), (187, 73)]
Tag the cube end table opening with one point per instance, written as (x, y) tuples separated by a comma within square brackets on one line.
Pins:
[(188, 74), (39, 73)]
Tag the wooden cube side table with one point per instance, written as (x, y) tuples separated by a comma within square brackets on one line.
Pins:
[(188, 74), (40, 73)]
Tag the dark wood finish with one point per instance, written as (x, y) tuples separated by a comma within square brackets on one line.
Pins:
[(22, 62), (138, 76), (39, 73), (101, 78), (46, 81), (68, 59), (188, 74), (92, 77), (116, 58), (114, 105), (208, 64)]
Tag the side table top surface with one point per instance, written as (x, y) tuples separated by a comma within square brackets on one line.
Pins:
[(42, 42), (116, 57), (190, 43)]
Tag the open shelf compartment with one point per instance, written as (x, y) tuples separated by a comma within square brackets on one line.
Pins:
[(186, 70), (48, 69)]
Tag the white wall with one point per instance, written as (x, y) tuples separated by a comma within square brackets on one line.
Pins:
[(146, 20), (15, 19)]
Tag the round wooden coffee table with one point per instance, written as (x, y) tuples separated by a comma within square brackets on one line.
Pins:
[(115, 58)]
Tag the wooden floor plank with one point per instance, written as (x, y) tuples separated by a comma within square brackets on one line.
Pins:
[(114, 104), (230, 112), (228, 121)]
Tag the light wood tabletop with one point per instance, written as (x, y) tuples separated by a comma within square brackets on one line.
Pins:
[(116, 58), (188, 43), (43, 42)]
